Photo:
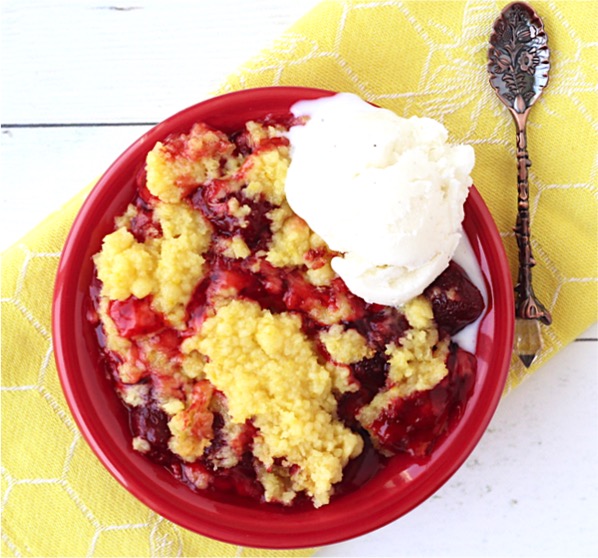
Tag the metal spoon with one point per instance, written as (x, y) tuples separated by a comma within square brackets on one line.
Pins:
[(518, 64)]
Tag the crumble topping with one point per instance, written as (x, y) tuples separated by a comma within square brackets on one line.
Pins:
[(167, 267), (174, 168), (417, 363), (270, 374), (244, 359), (345, 346)]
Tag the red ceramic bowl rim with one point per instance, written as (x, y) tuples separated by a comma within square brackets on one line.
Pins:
[(393, 491)]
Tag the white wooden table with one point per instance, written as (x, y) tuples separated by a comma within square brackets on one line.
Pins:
[(81, 80)]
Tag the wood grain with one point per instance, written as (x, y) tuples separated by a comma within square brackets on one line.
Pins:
[(139, 61)]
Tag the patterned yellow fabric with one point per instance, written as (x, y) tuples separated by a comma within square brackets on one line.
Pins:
[(424, 58)]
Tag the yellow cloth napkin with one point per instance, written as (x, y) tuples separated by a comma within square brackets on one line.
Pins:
[(416, 58)]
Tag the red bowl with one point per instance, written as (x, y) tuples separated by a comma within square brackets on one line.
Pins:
[(103, 419)]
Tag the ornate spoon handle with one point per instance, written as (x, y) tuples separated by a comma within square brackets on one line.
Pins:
[(518, 64), (528, 307)]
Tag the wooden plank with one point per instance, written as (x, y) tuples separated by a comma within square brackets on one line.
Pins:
[(94, 61), (44, 168)]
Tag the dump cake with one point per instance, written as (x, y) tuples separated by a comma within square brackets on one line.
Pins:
[(245, 361)]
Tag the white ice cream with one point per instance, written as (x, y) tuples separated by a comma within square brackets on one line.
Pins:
[(384, 191)]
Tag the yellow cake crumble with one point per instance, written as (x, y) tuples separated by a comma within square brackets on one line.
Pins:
[(345, 346), (269, 372), (168, 267), (170, 172), (229, 334), (266, 173), (418, 363)]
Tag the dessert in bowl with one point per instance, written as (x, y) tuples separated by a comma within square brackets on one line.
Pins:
[(265, 402)]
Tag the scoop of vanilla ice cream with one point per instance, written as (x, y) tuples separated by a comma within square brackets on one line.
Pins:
[(385, 192)]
